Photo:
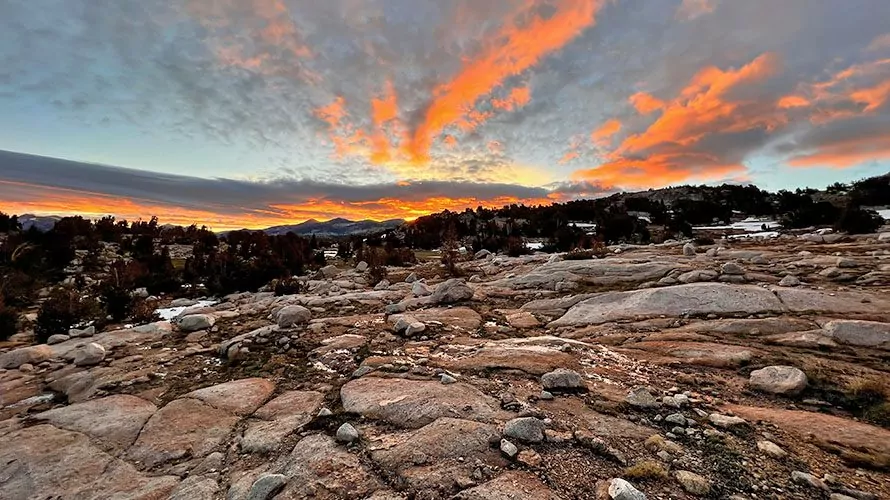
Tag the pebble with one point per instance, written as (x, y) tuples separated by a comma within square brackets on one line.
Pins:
[(528, 429), (347, 433), (619, 489), (640, 397), (509, 448), (693, 483), (447, 379), (771, 449), (267, 486), (804, 479)]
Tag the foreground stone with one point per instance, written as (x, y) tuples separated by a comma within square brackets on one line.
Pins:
[(112, 422), (619, 489), (46, 462), (280, 418), (26, 355), (511, 485), (562, 379), (184, 427), (410, 403), (692, 299), (859, 333), (783, 380)]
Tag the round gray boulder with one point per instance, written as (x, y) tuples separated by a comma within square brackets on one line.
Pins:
[(783, 380)]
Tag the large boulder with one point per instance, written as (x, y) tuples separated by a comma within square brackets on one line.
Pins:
[(292, 315), (415, 403), (89, 355), (30, 355), (195, 322), (112, 422), (693, 299), (452, 291), (563, 379), (784, 380), (859, 333)]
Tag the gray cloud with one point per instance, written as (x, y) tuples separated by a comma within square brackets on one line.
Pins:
[(226, 196)]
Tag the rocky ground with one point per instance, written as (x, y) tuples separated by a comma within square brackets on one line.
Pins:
[(743, 370)]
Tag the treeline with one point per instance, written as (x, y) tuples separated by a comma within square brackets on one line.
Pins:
[(634, 217), (105, 270)]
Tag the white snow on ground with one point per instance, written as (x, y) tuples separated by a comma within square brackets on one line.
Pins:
[(534, 245), (885, 214), (751, 225), (169, 313), (759, 234)]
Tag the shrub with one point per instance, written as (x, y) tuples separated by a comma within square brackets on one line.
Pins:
[(288, 286), (647, 470), (143, 310), (8, 320), (855, 220), (63, 309), (580, 255), (516, 247)]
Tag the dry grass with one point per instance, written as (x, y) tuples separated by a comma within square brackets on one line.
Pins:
[(647, 470)]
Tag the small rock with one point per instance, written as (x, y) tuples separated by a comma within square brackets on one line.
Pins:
[(530, 458), (640, 397), (732, 268), (452, 291), (324, 412), (619, 489), (789, 281), (411, 278), (528, 429), (195, 322), (347, 433), (447, 379), (509, 448), (676, 418), (725, 421), (292, 315), (88, 355), (689, 250), (771, 449), (784, 380), (26, 368), (563, 379), (85, 332), (267, 486), (414, 328), (546, 395), (361, 266), (693, 483), (419, 289), (482, 254), (57, 339), (804, 479), (844, 262)]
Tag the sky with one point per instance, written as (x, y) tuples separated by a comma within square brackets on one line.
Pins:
[(253, 113)]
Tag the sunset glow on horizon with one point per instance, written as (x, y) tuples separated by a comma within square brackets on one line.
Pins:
[(256, 113)]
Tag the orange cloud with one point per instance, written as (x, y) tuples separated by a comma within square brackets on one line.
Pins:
[(346, 138), (569, 156), (702, 108), (645, 103), (253, 34), (450, 141), (603, 135), (518, 97), (669, 150), (385, 114), (510, 52), (873, 97), (846, 153), (57, 201), (880, 42), (792, 101)]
